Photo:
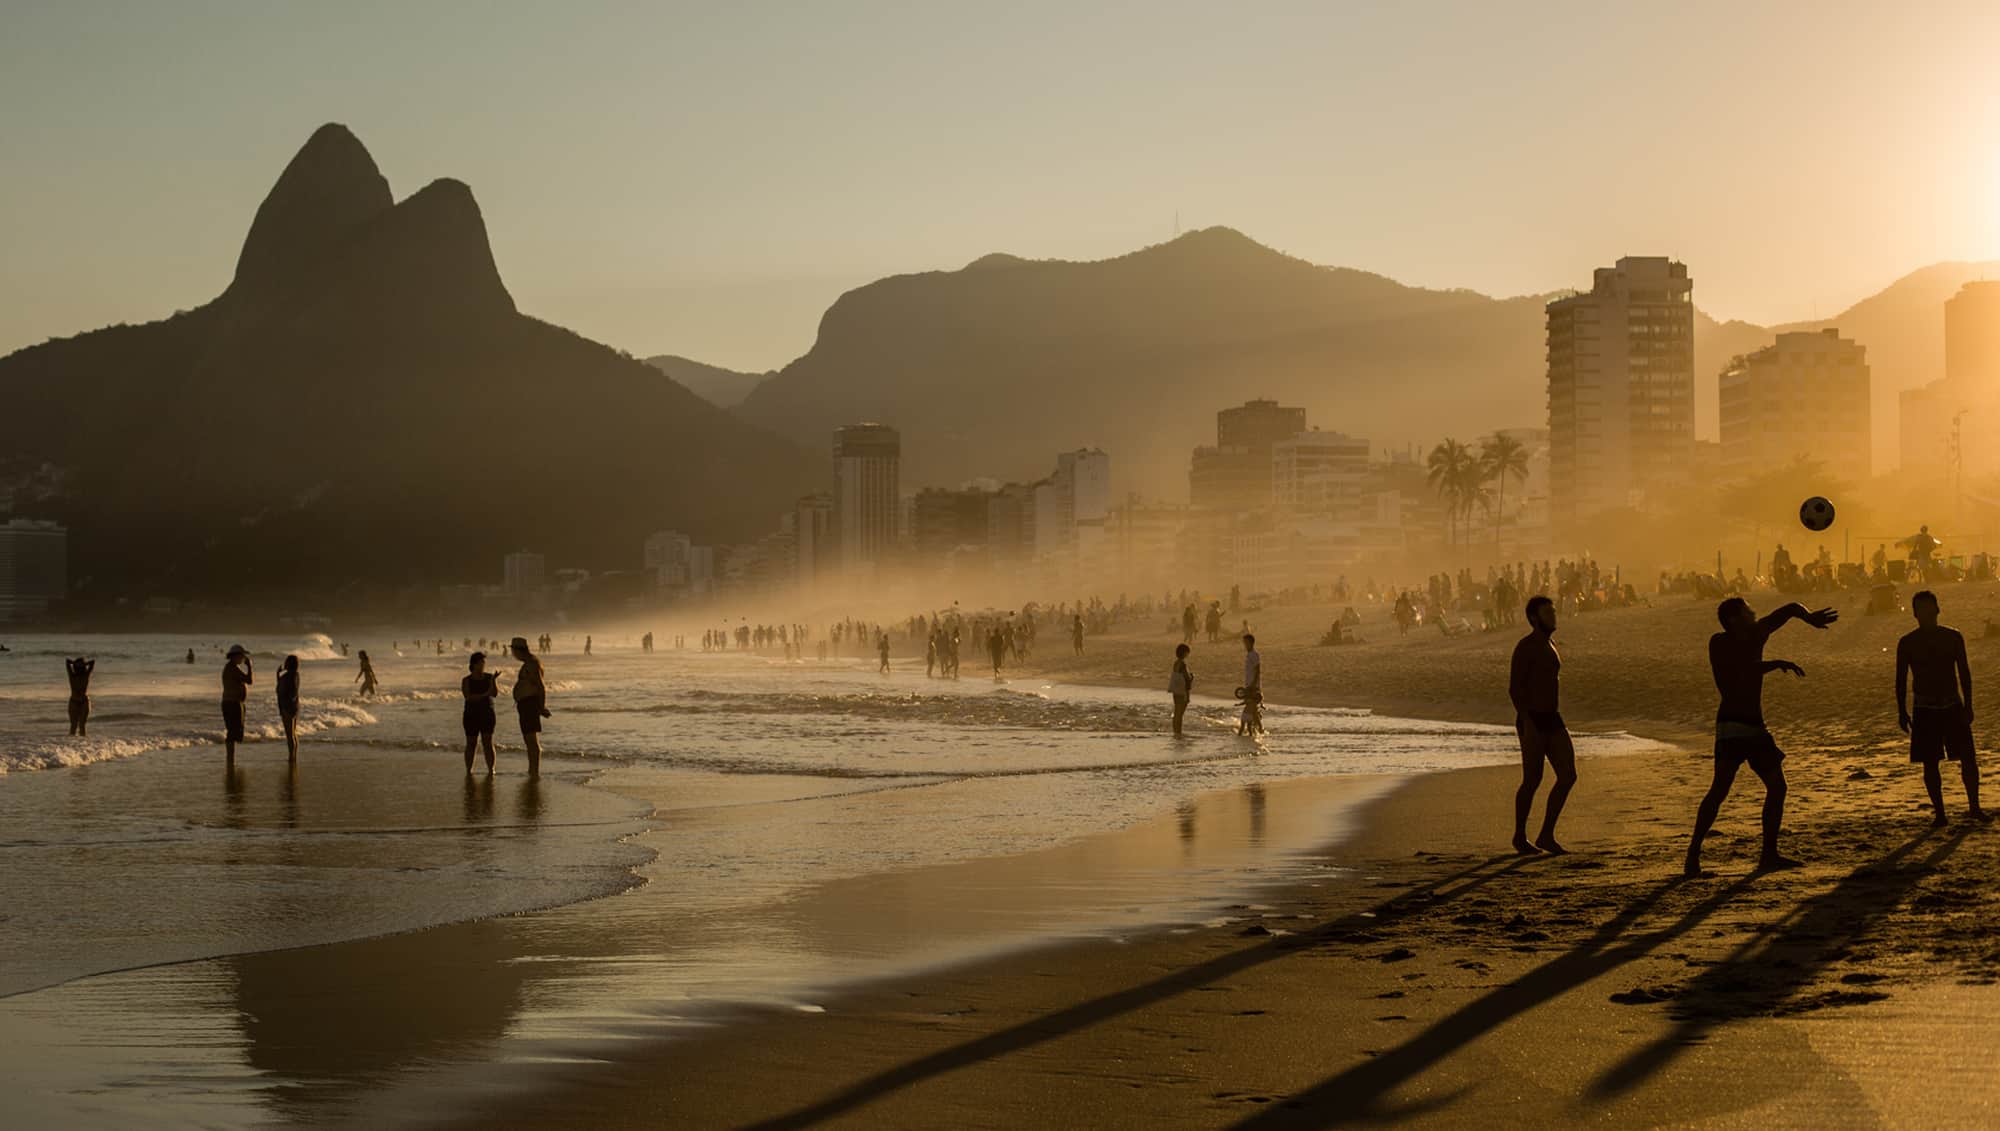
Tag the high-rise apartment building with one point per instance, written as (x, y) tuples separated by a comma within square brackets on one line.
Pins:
[(1322, 473), (1972, 336), (1941, 421), (1806, 395), (1620, 387), (816, 553), (867, 492), (524, 572), (1235, 474), (34, 567)]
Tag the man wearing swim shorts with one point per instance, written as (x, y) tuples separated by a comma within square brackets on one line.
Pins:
[(1939, 722), (530, 702), (1736, 658), (236, 677), (1533, 683)]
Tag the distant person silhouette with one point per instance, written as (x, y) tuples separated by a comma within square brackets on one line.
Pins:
[(1180, 684), (288, 705), (365, 676), (191, 655), (1939, 722), (1076, 634), (1187, 625), (79, 671), (1252, 722), (1534, 683), (530, 702), (1736, 658), (586, 644), (1214, 622), (236, 679), (882, 648), (480, 687), (1922, 545)]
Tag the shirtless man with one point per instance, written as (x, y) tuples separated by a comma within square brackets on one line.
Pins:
[(1736, 657), (1940, 726), (1533, 681), (79, 671), (1252, 723), (530, 702)]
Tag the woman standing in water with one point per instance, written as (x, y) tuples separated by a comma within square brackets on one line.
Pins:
[(288, 704), (481, 687), (366, 676), (79, 671)]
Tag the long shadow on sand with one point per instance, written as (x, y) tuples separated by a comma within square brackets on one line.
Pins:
[(1085, 1014), (1767, 974), (1357, 1095)]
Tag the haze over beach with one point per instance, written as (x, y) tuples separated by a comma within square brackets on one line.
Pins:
[(914, 566)]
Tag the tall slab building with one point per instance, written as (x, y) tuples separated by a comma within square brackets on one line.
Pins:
[(867, 499), (1621, 389)]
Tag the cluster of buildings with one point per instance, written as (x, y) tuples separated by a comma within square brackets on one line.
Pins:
[(1621, 387), (34, 568)]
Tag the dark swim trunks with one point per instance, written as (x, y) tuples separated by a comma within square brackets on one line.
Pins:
[(232, 721), (1758, 748), (531, 714), (1937, 732), (1547, 738)]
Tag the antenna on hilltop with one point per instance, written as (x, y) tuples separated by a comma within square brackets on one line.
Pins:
[(1177, 223)]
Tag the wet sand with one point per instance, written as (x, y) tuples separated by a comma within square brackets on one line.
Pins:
[(1442, 983)]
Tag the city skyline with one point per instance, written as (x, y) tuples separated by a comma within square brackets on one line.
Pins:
[(691, 230)]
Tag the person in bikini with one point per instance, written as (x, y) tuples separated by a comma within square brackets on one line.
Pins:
[(79, 671), (480, 687), (1939, 722)]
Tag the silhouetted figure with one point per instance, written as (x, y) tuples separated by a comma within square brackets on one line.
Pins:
[(480, 687), (79, 671), (236, 678), (882, 649), (1252, 691), (1213, 622), (1076, 633), (530, 702), (343, 652), (586, 644), (1180, 684), (288, 705), (1923, 544), (365, 675), (1534, 683), (1736, 657), (1939, 721), (1187, 625)]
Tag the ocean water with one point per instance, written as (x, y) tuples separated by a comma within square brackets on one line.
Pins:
[(709, 830)]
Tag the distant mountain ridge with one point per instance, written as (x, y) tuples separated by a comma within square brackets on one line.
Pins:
[(990, 369), (364, 408), (723, 388)]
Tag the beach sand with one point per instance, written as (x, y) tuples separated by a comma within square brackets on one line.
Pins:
[(1441, 981)]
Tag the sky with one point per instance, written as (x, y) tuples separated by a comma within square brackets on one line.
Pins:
[(704, 179)]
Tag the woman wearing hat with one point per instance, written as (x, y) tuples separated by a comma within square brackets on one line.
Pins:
[(236, 676)]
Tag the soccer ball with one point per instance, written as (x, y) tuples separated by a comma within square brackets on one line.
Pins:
[(1816, 513)]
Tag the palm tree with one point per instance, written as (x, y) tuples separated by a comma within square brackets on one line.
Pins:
[(1452, 467), (1501, 458)]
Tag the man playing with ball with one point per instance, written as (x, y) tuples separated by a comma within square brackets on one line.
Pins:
[(1736, 656), (1940, 723)]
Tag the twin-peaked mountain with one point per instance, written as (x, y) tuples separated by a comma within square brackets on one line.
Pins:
[(364, 406)]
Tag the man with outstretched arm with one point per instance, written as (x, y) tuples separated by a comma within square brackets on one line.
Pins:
[(1939, 723), (1736, 657), (1533, 683)]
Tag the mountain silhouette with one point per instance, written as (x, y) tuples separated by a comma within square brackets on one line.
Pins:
[(723, 388), (363, 409), (991, 369)]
